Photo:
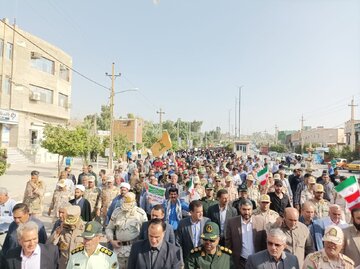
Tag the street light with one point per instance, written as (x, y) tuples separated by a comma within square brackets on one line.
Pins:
[(111, 146)]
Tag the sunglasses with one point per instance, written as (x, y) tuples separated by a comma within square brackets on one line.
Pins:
[(273, 244), (211, 240)]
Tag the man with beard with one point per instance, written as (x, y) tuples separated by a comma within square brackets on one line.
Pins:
[(352, 237), (209, 254), (245, 234), (275, 255), (80, 201), (208, 200), (264, 210), (279, 200), (124, 227), (155, 252), (330, 256)]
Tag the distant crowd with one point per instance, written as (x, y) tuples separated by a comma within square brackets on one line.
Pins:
[(189, 209)]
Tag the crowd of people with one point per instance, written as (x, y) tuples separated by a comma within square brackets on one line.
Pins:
[(214, 214)]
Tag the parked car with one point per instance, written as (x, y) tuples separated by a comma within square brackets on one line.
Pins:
[(341, 163), (353, 166)]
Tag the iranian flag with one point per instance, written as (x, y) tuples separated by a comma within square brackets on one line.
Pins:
[(349, 190), (263, 175), (191, 186)]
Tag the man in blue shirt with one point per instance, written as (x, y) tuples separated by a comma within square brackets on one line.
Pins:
[(124, 189), (175, 208)]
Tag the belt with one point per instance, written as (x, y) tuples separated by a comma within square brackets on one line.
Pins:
[(126, 243)]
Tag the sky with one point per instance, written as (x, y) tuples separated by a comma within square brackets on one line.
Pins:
[(189, 58)]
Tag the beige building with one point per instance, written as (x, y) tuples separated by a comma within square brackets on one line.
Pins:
[(325, 137), (35, 88), (131, 128)]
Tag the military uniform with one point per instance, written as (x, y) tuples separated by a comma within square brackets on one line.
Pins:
[(200, 190), (33, 197), (125, 223), (319, 260), (199, 258), (321, 207), (59, 198), (254, 193), (101, 258), (93, 196), (69, 237), (207, 203), (306, 195), (270, 216), (233, 193), (107, 195)]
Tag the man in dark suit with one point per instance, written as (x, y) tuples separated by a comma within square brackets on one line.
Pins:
[(21, 216), (221, 213), (190, 228), (155, 252), (274, 256), (158, 212), (245, 234), (31, 254), (82, 202)]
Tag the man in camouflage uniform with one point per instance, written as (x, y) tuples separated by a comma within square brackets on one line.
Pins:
[(321, 205), (125, 223), (92, 194), (330, 257), (265, 211), (217, 185), (67, 235), (231, 189), (209, 254), (208, 200), (252, 190), (107, 195)]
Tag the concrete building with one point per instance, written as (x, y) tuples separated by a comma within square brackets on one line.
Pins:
[(352, 140), (324, 137), (35, 89)]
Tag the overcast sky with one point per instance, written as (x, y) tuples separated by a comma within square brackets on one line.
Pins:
[(188, 57)]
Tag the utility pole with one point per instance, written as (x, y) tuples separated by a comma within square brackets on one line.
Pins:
[(352, 125), (111, 144), (240, 110), (229, 125), (301, 133), (276, 135), (235, 136), (160, 115)]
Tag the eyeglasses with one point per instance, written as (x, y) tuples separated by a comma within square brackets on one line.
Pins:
[(211, 240), (273, 244)]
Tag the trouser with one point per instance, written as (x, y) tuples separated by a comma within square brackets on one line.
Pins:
[(242, 263), (123, 261)]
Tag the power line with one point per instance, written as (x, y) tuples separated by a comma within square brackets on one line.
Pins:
[(55, 58)]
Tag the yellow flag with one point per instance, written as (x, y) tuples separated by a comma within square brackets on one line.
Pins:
[(161, 145)]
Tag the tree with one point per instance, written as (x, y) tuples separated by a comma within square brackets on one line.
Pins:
[(278, 148), (103, 122), (62, 141)]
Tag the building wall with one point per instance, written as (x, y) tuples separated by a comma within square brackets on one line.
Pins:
[(324, 136), (131, 128), (28, 74)]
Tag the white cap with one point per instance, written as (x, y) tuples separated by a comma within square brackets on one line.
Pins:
[(80, 187), (125, 185)]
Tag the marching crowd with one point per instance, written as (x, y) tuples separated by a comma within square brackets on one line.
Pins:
[(214, 214)]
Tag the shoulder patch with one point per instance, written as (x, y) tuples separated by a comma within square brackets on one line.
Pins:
[(315, 256), (194, 250), (76, 250), (226, 250), (106, 251)]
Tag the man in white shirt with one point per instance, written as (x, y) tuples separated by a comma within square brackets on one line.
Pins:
[(31, 254), (6, 206)]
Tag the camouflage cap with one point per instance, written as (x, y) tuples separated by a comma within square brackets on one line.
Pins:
[(73, 214), (319, 188), (211, 231), (92, 229), (242, 188), (334, 234)]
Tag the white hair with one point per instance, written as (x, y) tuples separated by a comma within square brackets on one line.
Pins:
[(28, 226), (278, 233)]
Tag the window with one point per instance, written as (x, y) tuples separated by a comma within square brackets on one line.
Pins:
[(1, 47), (46, 95), (64, 73), (43, 64), (63, 100), (9, 51), (240, 147), (6, 87)]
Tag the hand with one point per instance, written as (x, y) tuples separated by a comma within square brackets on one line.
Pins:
[(115, 243)]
